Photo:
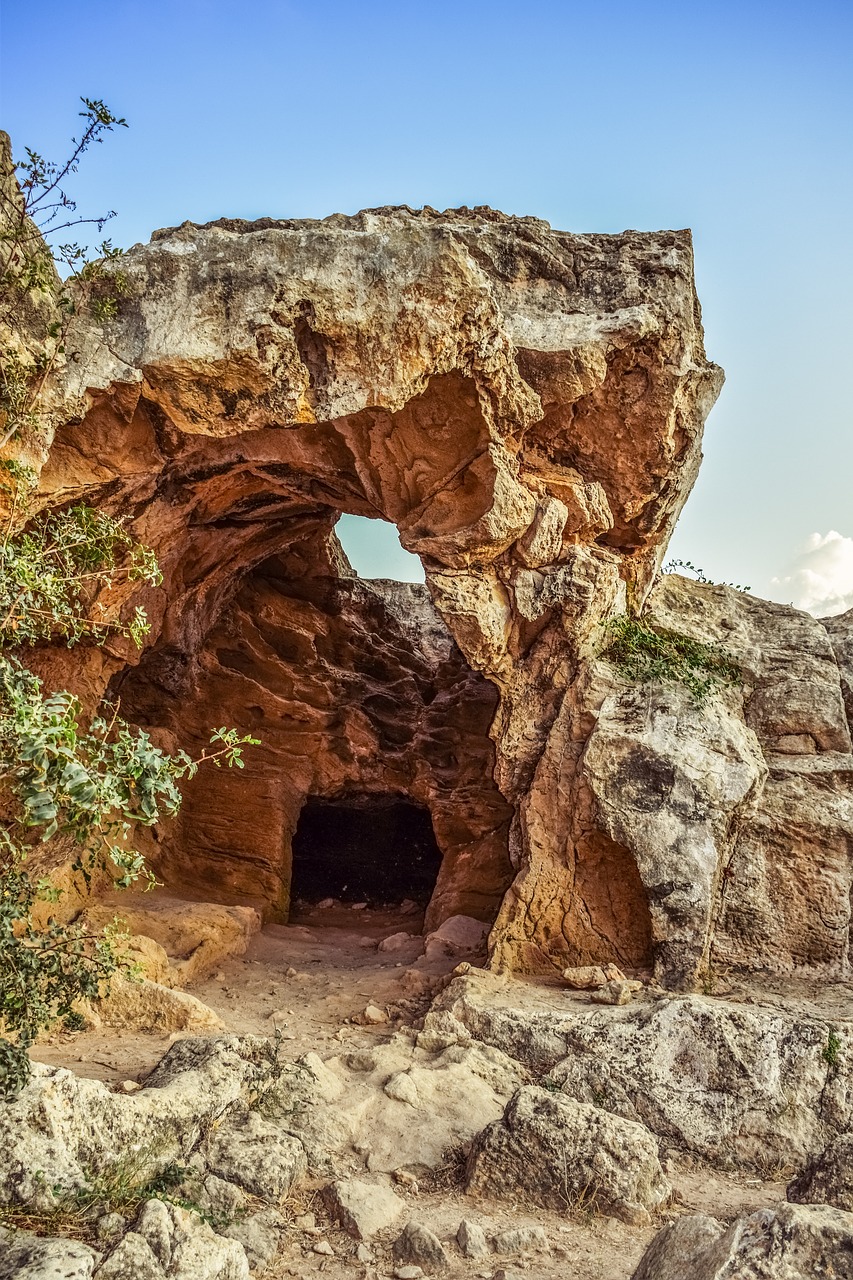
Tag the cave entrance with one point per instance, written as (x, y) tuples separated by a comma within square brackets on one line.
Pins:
[(378, 849)]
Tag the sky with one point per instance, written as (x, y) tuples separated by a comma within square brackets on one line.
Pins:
[(731, 118)]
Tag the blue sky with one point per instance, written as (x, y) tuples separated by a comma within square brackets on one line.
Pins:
[(731, 118)]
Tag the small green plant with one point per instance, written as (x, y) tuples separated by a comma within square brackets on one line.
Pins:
[(646, 654), (91, 783), (52, 572), (690, 570), (831, 1051), (40, 211), (120, 1187)]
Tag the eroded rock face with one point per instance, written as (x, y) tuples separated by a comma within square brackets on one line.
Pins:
[(354, 688), (788, 1240), (526, 406), (733, 1085)]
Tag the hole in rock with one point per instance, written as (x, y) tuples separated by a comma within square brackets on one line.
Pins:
[(375, 849), (374, 551)]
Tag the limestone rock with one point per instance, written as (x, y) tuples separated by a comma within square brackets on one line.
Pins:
[(184, 1246), (562, 1153), (525, 405), (471, 1239), (253, 1152), (592, 976), (421, 1247), (730, 1083), (34, 1258), (793, 1241), (618, 992), (521, 1240), (141, 1005), (363, 1208), (828, 1177), (259, 1234), (194, 937), (63, 1129)]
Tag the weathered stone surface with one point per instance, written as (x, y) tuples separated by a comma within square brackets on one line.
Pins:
[(255, 1153), (420, 1246), (828, 1177), (788, 1242), (141, 1005), (521, 1240), (563, 1154), (260, 1235), (37, 1259), (363, 1208), (63, 1130), (784, 884), (184, 1245), (730, 1083), (524, 404), (193, 937), (471, 1239)]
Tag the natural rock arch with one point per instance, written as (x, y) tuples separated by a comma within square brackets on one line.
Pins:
[(526, 406)]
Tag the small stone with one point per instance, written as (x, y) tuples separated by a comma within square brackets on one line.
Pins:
[(471, 1239), (373, 1016), (364, 1253), (363, 1208), (407, 1273), (408, 907), (323, 1247), (358, 906), (360, 1061), (110, 1226), (617, 992), (325, 903), (305, 1222), (418, 1245), (402, 1088), (130, 1086), (522, 1240), (395, 942)]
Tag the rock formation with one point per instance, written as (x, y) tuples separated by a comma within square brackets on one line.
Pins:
[(526, 406)]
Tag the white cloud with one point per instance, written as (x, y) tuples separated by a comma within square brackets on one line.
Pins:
[(820, 577)]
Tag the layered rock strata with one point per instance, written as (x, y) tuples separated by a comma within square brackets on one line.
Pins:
[(526, 406)]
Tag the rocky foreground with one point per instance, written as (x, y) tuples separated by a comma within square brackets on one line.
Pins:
[(513, 1128)]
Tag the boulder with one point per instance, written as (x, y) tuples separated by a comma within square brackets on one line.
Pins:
[(732, 1083), (828, 1177), (255, 1153), (363, 1208), (788, 1242), (419, 1246), (566, 1155)]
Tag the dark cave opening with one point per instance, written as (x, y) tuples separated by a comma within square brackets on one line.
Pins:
[(378, 849)]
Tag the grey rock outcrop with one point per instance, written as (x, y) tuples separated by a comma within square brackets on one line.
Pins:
[(788, 1242), (730, 1083), (566, 1154), (828, 1177)]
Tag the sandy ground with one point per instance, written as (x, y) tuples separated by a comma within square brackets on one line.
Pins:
[(308, 979)]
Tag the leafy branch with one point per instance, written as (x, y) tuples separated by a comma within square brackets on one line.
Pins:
[(33, 211)]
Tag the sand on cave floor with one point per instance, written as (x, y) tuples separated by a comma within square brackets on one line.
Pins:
[(310, 978)]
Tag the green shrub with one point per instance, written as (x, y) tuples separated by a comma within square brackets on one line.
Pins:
[(648, 654)]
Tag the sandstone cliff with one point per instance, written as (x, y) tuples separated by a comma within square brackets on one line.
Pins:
[(526, 406)]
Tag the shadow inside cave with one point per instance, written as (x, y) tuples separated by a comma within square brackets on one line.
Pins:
[(379, 849)]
